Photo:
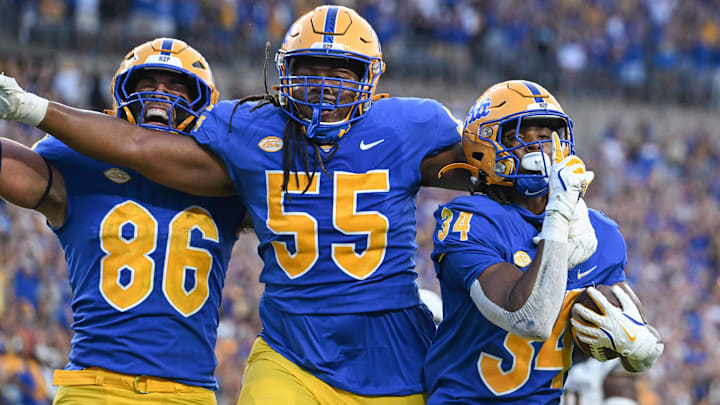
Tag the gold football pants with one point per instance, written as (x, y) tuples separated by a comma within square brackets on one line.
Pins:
[(103, 387), (271, 379)]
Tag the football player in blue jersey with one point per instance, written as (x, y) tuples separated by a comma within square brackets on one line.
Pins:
[(507, 291), (146, 263), (329, 172)]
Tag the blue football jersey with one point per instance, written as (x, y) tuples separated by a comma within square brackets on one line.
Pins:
[(146, 265), (471, 359), (346, 245)]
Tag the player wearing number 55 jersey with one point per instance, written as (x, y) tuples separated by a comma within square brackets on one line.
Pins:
[(146, 263), (330, 180), (507, 291), (329, 172), (340, 244)]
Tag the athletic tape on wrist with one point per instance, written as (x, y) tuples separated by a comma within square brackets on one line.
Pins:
[(33, 109)]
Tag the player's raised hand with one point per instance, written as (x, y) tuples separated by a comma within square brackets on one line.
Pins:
[(620, 329), (18, 105), (568, 181)]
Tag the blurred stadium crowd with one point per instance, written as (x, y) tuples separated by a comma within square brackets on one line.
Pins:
[(645, 49), (657, 162)]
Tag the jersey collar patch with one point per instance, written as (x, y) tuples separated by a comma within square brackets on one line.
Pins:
[(117, 175), (270, 144)]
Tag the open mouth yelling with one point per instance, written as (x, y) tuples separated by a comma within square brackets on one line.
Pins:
[(156, 115)]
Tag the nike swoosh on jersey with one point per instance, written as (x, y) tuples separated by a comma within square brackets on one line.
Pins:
[(586, 272), (364, 146)]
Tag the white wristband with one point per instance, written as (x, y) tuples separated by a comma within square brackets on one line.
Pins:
[(555, 227), (32, 109), (18, 105)]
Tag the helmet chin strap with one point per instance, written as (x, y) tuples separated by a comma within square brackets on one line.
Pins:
[(322, 136), (535, 186), (314, 124)]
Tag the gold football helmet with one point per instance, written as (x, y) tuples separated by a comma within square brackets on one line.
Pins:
[(495, 120), (169, 55), (329, 32)]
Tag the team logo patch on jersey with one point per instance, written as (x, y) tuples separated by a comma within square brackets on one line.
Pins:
[(117, 176), (271, 144), (521, 258)]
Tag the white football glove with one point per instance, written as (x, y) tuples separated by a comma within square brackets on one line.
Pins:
[(582, 241), (568, 181), (621, 330), (18, 105)]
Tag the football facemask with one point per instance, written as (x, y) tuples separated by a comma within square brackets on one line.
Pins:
[(161, 110), (329, 32)]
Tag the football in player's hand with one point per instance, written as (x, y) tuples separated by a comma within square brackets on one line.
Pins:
[(602, 353)]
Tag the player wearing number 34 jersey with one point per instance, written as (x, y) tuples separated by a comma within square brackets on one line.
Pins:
[(508, 291), (483, 362)]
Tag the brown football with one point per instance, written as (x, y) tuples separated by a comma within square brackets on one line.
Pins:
[(603, 353)]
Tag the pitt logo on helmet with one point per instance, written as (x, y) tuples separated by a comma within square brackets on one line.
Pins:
[(479, 110)]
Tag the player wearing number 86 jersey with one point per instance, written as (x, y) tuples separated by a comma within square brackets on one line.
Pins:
[(146, 263)]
